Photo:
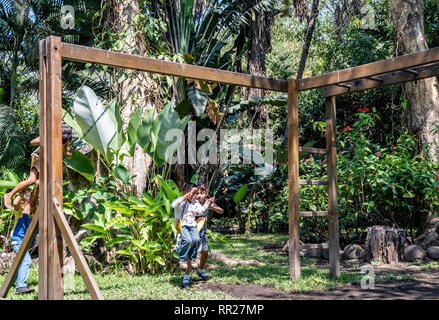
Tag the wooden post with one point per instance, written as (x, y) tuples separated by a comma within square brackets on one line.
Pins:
[(293, 179), (50, 251), (42, 243), (334, 255), (79, 259)]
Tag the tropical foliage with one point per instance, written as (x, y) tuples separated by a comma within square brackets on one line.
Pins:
[(377, 184), (381, 179)]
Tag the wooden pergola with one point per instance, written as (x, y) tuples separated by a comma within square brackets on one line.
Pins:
[(50, 220)]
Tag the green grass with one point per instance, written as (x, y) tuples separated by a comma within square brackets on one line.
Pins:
[(164, 286), (275, 273), (394, 277), (432, 265)]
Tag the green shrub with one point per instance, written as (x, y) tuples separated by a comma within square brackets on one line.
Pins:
[(142, 230), (377, 185)]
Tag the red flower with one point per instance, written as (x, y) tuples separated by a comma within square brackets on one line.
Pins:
[(325, 133), (347, 128), (366, 110), (378, 154), (437, 188), (360, 133), (437, 178), (392, 184)]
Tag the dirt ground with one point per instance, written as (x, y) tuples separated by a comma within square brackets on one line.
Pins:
[(420, 284)]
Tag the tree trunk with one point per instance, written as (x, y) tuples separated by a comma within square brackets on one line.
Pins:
[(309, 34), (137, 90), (259, 33), (14, 70), (384, 244), (422, 95)]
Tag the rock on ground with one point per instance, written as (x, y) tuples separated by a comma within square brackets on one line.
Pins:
[(6, 260), (413, 253), (433, 253), (427, 239), (353, 251)]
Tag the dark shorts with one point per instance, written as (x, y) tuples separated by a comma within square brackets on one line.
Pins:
[(203, 238)]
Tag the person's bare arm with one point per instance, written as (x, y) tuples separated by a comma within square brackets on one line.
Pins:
[(214, 206), (190, 194), (17, 201), (35, 142), (35, 193)]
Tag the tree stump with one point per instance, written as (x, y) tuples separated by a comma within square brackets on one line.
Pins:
[(384, 244)]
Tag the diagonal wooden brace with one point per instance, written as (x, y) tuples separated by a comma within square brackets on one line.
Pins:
[(68, 236), (25, 245)]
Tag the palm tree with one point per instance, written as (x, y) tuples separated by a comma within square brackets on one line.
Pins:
[(13, 142), (206, 32), (22, 24)]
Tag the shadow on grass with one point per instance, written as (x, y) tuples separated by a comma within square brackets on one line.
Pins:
[(277, 276)]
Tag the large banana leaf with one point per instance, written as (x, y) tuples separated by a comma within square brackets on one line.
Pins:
[(67, 118), (133, 127), (80, 164), (119, 138), (98, 126), (198, 99), (240, 194), (170, 189), (144, 136), (154, 135), (168, 139)]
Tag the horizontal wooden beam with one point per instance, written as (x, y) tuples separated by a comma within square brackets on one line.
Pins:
[(312, 150), (313, 182), (371, 69), (308, 246), (116, 59), (313, 213), (386, 80)]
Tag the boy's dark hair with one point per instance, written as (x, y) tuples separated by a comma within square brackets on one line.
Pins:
[(67, 134), (203, 187), (187, 187)]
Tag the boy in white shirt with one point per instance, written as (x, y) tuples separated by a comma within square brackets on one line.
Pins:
[(190, 237), (207, 204), (189, 209), (179, 205)]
